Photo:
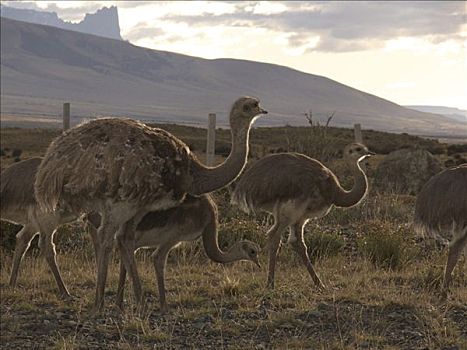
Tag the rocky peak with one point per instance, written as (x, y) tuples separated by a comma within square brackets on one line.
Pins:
[(103, 23)]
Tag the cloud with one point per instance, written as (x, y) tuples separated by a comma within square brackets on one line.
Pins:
[(342, 26), (143, 31), (67, 11), (332, 26)]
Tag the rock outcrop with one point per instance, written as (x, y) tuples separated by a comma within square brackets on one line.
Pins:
[(102, 23), (406, 170)]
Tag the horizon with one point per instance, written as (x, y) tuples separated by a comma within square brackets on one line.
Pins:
[(421, 64)]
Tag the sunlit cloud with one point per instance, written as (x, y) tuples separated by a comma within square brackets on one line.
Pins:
[(268, 8)]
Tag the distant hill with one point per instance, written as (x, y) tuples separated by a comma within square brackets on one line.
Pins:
[(102, 23), (449, 112), (43, 66)]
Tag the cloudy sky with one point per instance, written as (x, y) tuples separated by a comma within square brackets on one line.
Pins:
[(407, 52)]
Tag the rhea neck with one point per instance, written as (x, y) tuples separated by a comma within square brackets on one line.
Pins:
[(357, 193), (211, 246), (208, 179)]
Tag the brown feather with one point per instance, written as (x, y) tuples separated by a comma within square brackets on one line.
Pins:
[(281, 177), (442, 202), (17, 185), (120, 159)]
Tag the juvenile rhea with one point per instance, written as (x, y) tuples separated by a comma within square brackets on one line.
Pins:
[(19, 206), (441, 210), (164, 230), (295, 188)]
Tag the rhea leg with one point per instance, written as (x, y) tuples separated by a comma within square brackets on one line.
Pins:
[(105, 235), (92, 222), (299, 246), (159, 260), (47, 247), (126, 245), (274, 240), (23, 241), (455, 248), (121, 285)]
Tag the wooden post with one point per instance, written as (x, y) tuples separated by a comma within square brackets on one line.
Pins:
[(210, 147), (358, 133), (66, 116)]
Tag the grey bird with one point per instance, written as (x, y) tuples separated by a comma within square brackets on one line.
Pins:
[(441, 211), (19, 206), (295, 188)]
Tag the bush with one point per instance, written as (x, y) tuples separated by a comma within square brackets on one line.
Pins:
[(8, 233), (460, 148), (386, 247), (322, 245)]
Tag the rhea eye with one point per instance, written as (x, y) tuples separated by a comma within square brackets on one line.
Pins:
[(246, 108), (359, 149), (252, 252)]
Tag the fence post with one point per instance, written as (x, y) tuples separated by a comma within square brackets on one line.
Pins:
[(357, 128), (66, 116), (210, 147)]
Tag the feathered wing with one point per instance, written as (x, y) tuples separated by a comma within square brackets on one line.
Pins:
[(113, 158), (442, 202), (282, 177), (17, 185)]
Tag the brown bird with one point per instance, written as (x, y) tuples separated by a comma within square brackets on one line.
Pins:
[(195, 217), (19, 206), (295, 188), (164, 230), (123, 169), (441, 211)]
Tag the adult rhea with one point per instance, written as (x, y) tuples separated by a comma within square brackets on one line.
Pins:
[(122, 169), (295, 188)]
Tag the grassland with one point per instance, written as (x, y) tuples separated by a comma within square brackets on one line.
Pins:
[(382, 280)]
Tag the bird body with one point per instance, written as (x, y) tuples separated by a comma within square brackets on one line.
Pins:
[(164, 230), (19, 206), (121, 160), (441, 211), (287, 179), (295, 188)]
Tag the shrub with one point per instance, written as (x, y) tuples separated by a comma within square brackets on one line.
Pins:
[(8, 233), (386, 247), (457, 148), (238, 229), (322, 245)]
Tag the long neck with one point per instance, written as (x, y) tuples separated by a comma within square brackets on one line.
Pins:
[(355, 195), (208, 179), (211, 246)]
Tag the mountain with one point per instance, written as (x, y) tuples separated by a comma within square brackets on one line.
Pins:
[(448, 112), (102, 23), (43, 66)]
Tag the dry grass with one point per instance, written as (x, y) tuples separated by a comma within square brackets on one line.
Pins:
[(368, 304), (365, 305)]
